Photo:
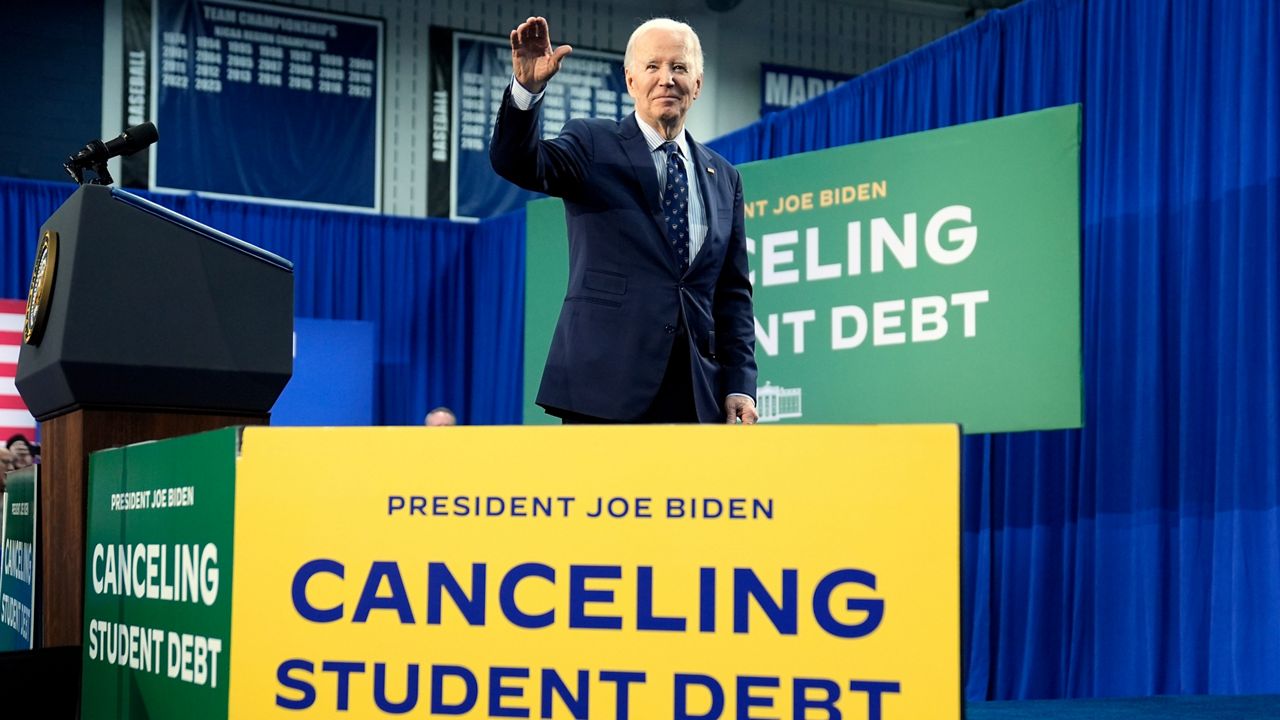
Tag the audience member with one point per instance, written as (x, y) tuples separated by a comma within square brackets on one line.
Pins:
[(441, 417), (21, 449)]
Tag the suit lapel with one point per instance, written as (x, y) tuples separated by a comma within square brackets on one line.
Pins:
[(642, 167)]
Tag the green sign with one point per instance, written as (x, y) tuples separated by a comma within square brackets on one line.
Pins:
[(157, 612), (932, 277), (546, 277), (18, 558)]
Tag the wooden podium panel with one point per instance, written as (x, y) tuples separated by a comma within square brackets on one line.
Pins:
[(64, 479)]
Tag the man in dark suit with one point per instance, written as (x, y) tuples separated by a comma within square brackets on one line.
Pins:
[(657, 323)]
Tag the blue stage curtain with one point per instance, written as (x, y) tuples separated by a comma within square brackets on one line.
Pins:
[(24, 205), (496, 353), (1140, 555), (447, 299)]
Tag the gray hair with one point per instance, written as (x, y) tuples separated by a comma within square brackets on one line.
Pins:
[(662, 23)]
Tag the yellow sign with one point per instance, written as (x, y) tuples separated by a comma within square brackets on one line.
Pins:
[(597, 572)]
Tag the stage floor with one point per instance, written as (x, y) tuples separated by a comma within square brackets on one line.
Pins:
[(1181, 707)]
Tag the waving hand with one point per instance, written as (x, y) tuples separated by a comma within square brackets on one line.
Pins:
[(532, 59)]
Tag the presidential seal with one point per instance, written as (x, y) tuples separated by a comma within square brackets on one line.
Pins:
[(41, 291)]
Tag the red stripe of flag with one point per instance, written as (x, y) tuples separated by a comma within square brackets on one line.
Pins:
[(8, 432), (8, 370), (18, 307), (12, 402), (11, 338)]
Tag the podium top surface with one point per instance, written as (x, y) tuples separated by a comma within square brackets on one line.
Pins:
[(168, 215)]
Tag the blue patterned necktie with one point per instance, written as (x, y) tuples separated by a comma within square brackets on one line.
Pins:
[(675, 204)]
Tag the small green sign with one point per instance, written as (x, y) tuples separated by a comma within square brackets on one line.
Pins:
[(158, 562), (17, 580)]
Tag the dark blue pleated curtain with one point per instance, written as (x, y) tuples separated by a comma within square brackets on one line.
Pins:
[(447, 299), (1139, 555)]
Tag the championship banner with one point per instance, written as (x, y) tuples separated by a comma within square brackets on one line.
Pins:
[(575, 574), (932, 277), (18, 560), (783, 87), (257, 101), (472, 72)]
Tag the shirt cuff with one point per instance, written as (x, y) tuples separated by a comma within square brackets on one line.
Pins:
[(521, 97), (753, 400)]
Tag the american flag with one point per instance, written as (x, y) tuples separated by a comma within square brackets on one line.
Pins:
[(14, 417)]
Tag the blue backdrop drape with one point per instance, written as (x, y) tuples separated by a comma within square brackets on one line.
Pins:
[(1139, 555), (447, 299)]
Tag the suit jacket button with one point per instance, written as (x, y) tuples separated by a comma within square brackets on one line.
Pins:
[(670, 329)]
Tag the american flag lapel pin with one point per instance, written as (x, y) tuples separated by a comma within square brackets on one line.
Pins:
[(711, 170)]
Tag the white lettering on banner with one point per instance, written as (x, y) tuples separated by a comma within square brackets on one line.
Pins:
[(137, 97), (187, 657), (968, 300), (897, 321), (929, 323), (849, 323), (777, 256), (797, 319), (440, 126), (773, 257), (787, 90), (883, 237), (19, 560), (813, 269), (177, 573), (16, 614), (932, 312), (882, 322), (167, 497)]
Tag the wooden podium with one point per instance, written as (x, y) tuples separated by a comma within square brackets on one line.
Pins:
[(142, 324)]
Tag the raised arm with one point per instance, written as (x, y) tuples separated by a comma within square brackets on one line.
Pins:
[(555, 167)]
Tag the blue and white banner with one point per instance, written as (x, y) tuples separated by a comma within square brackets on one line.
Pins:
[(783, 87), (265, 102), (589, 84)]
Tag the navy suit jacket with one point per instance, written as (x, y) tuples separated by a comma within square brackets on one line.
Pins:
[(626, 297)]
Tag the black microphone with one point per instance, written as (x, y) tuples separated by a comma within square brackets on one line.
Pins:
[(129, 142)]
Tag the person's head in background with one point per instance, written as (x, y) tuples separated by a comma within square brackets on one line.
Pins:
[(20, 447), (440, 417), (6, 461)]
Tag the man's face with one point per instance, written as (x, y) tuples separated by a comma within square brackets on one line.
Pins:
[(6, 461), (661, 79)]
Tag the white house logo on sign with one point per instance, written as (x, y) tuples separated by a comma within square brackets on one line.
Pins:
[(775, 403)]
